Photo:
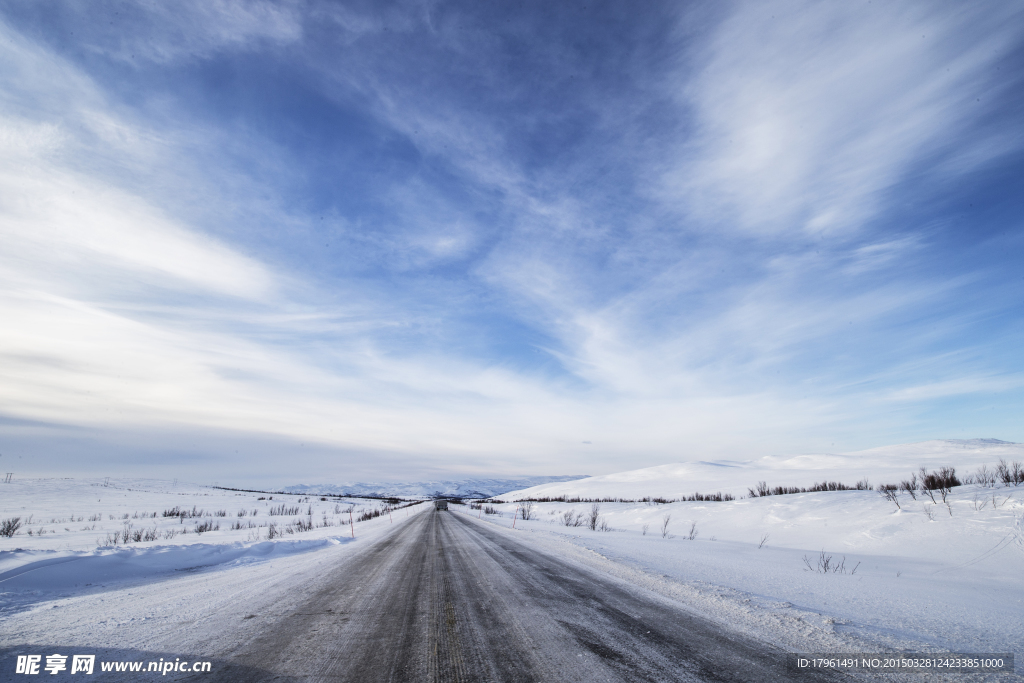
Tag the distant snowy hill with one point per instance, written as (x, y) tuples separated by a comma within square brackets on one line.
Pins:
[(465, 488), (887, 464)]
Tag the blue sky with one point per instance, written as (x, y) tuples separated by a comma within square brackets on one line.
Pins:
[(310, 241)]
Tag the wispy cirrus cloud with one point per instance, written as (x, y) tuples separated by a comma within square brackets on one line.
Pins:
[(403, 244), (806, 116), (149, 31)]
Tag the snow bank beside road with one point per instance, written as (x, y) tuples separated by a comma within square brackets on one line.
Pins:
[(57, 571)]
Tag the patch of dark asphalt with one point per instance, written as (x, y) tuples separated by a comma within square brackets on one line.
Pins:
[(447, 598)]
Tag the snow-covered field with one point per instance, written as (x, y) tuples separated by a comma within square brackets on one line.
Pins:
[(83, 514), (879, 465), (927, 575), (79, 533), (166, 600)]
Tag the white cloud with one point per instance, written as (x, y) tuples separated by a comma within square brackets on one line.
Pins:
[(803, 114), (960, 386), (162, 32), (120, 313), (58, 223)]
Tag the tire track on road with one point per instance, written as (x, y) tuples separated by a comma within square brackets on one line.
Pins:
[(448, 599)]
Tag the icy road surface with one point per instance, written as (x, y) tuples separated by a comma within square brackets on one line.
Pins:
[(447, 598), (437, 596)]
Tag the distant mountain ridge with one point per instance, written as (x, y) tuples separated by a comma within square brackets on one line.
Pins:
[(462, 488)]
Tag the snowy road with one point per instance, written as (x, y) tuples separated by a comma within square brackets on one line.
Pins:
[(447, 598)]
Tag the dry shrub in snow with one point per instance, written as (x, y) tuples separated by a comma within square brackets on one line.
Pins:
[(827, 564), (10, 526), (572, 518), (1010, 473), (891, 493)]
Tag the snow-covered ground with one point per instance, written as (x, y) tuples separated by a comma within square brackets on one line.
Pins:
[(924, 576), (888, 464), (83, 514), (73, 531), (185, 600), (917, 575)]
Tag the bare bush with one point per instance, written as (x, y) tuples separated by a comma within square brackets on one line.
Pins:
[(594, 516), (909, 486), (995, 501), (372, 514), (526, 509), (9, 527), (603, 525), (928, 513), (692, 535), (1010, 473), (186, 513), (827, 564), (644, 530), (572, 518), (664, 525), (941, 480), (982, 476), (762, 489), (764, 539), (891, 493), (282, 510), (272, 531)]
